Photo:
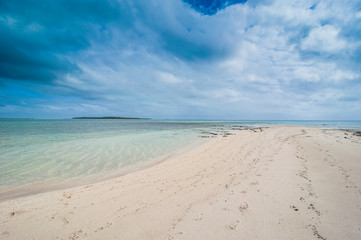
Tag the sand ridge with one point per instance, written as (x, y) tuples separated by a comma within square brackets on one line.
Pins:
[(269, 183)]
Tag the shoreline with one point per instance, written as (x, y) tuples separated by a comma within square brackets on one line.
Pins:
[(282, 182), (26, 191)]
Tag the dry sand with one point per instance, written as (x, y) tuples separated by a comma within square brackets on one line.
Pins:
[(278, 183)]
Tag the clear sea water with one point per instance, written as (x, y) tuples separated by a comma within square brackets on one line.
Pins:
[(36, 155), (352, 125)]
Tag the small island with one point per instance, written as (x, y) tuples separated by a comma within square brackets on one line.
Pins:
[(117, 118)]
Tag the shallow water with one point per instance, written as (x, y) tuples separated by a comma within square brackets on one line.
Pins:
[(42, 154), (37, 154)]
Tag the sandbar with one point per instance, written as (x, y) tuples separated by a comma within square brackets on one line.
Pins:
[(278, 182)]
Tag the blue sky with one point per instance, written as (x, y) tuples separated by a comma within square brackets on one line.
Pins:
[(190, 59)]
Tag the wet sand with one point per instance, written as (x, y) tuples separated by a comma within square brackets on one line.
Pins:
[(269, 183)]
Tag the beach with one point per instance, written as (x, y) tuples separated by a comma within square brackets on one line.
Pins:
[(274, 182)]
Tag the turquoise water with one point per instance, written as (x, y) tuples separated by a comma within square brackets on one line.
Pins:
[(353, 125), (42, 154)]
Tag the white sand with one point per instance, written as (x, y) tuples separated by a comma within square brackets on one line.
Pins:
[(279, 183)]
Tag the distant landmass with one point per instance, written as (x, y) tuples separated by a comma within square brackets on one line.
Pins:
[(120, 118)]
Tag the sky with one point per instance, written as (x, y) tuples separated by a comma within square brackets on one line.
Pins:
[(174, 59)]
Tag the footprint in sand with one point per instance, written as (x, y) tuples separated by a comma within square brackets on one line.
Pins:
[(254, 183), (199, 218), (16, 213), (77, 234), (294, 208), (234, 225), (67, 195), (65, 221), (243, 207)]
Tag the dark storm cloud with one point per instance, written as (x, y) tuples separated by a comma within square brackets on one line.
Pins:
[(37, 36)]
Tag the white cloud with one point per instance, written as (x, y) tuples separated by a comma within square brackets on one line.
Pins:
[(224, 94), (325, 39), (259, 62), (167, 77), (358, 14)]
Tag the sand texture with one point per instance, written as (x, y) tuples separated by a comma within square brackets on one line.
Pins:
[(270, 183)]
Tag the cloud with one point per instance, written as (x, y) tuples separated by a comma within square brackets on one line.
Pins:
[(181, 59), (41, 35), (167, 77), (325, 38)]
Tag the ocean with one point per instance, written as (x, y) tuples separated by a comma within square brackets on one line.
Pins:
[(38, 155)]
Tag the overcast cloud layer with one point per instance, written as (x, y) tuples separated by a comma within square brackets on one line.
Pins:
[(193, 59)]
